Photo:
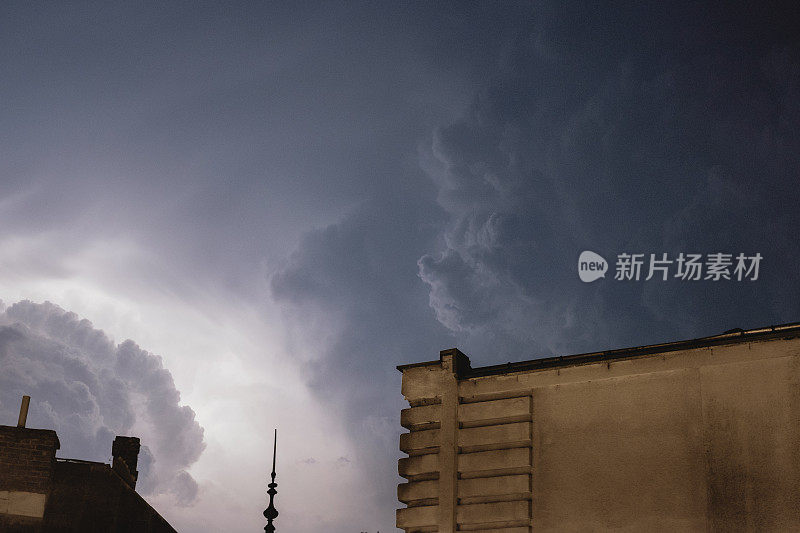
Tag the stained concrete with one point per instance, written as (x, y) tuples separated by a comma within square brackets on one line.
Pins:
[(700, 435)]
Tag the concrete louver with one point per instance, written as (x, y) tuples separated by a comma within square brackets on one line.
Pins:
[(469, 459)]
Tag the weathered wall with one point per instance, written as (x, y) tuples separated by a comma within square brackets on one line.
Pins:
[(702, 439)]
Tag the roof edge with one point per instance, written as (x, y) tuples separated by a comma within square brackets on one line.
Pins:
[(402, 368), (735, 336)]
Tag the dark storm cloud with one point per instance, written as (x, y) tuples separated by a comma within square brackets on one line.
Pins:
[(642, 130), (215, 134), (352, 279), (611, 133), (213, 138), (88, 389)]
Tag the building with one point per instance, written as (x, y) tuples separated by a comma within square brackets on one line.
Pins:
[(42, 493), (698, 435)]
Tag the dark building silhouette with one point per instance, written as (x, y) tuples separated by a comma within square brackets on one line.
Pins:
[(42, 493)]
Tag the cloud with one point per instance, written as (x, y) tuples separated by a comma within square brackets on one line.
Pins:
[(90, 389), (586, 141), (595, 130), (352, 298)]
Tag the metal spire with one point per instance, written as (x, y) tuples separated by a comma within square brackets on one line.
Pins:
[(270, 513)]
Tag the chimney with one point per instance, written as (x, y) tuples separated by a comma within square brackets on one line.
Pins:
[(23, 411), (125, 451)]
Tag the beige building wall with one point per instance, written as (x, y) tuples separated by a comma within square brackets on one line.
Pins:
[(699, 435)]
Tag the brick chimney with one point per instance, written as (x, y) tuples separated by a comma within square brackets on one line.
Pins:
[(27, 465), (125, 451)]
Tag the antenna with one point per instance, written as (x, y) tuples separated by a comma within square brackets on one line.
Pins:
[(270, 513)]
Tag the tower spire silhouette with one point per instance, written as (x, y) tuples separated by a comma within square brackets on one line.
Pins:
[(270, 513)]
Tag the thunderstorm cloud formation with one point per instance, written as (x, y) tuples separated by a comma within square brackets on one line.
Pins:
[(288, 200), (602, 131), (90, 389), (593, 130)]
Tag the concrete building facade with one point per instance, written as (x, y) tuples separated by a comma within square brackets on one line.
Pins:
[(700, 435)]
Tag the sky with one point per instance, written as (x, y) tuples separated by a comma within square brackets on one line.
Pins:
[(217, 219)]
